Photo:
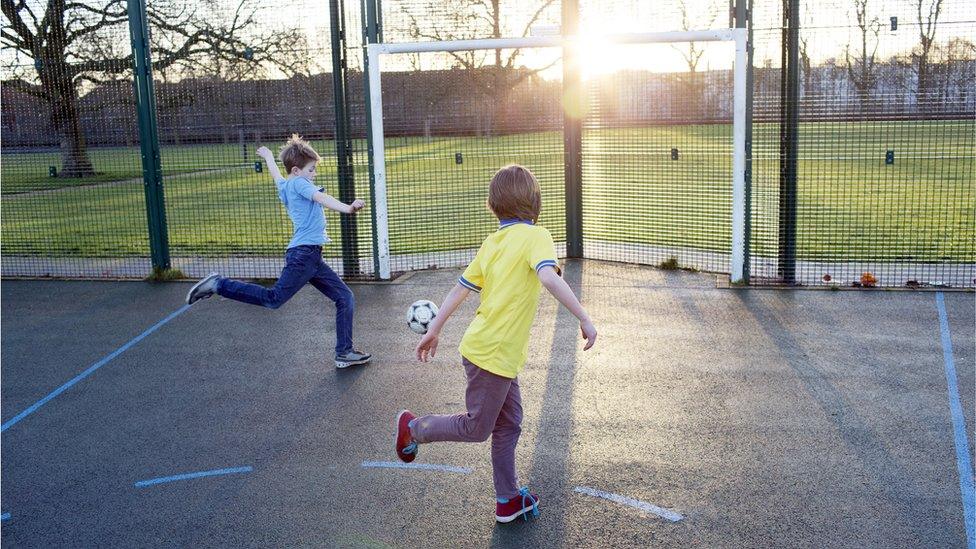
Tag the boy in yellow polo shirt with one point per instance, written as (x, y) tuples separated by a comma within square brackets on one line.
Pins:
[(508, 271)]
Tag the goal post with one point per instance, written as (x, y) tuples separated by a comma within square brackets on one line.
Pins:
[(375, 51)]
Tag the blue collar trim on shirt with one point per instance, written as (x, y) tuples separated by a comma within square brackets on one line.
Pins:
[(509, 222)]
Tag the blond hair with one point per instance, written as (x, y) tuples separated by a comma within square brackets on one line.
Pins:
[(514, 193), (297, 153)]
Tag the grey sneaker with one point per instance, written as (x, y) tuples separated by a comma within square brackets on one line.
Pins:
[(352, 358), (203, 289)]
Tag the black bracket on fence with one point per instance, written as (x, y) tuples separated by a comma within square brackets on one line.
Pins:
[(890, 157), (258, 166), (894, 23), (52, 171), (674, 154), (458, 158)]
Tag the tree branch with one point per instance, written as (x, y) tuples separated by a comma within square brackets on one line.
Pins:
[(436, 36), (29, 89), (102, 65), (108, 18), (528, 27), (14, 41), (13, 15), (523, 75)]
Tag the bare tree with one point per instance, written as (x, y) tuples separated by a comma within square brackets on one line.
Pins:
[(692, 55), (928, 12), (959, 69), (440, 20), (806, 67), (75, 45), (862, 67)]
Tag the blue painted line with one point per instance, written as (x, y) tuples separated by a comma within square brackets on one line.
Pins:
[(91, 369), (188, 476), (5, 516), (420, 466), (963, 462)]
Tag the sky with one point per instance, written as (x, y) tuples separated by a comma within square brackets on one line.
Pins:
[(828, 26)]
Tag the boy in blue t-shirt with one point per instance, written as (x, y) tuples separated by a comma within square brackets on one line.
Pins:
[(303, 259)]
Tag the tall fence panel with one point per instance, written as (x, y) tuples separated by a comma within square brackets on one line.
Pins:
[(657, 138), (452, 119), (884, 187), (73, 201), (263, 75), (865, 177)]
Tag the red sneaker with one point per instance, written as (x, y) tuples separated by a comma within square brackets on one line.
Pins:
[(406, 447), (519, 506)]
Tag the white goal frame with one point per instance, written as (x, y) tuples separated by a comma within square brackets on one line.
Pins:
[(378, 153)]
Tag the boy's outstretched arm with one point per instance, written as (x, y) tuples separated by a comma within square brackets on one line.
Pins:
[(564, 294), (269, 159), (428, 344), (331, 203)]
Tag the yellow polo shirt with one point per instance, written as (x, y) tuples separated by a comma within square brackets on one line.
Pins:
[(504, 272)]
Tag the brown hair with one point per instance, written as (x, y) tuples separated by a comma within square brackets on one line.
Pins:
[(514, 193), (297, 153)]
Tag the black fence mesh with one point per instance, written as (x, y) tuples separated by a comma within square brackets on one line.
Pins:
[(70, 171), (447, 131), (452, 119), (884, 189), (267, 76), (657, 159)]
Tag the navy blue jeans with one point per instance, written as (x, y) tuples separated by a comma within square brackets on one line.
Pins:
[(302, 264)]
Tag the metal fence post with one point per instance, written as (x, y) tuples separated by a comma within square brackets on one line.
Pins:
[(371, 34), (572, 131), (145, 100), (343, 142), (789, 144), (743, 19)]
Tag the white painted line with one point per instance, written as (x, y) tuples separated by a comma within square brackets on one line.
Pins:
[(421, 466), (666, 514)]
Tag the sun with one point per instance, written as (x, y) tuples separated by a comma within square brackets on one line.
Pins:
[(599, 57)]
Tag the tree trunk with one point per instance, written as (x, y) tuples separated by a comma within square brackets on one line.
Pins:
[(863, 98), (64, 117)]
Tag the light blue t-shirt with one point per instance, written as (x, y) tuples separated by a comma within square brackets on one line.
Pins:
[(306, 214)]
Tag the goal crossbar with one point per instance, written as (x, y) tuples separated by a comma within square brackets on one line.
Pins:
[(378, 153)]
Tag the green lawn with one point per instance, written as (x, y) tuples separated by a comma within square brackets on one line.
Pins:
[(850, 204)]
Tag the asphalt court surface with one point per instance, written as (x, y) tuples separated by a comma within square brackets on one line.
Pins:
[(762, 417)]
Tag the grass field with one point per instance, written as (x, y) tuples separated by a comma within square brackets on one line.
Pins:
[(851, 205)]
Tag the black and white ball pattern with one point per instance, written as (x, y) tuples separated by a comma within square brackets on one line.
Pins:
[(420, 314)]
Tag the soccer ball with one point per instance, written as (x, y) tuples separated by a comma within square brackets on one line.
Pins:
[(420, 314)]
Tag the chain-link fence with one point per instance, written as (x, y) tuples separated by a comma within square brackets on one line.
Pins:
[(876, 185), (861, 158), (72, 200)]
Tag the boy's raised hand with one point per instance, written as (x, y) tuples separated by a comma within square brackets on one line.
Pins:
[(427, 347), (269, 159), (357, 205)]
